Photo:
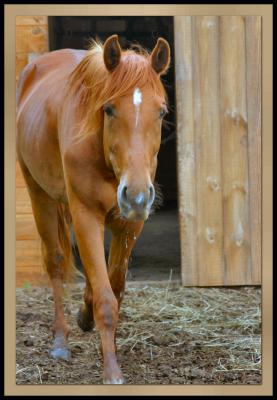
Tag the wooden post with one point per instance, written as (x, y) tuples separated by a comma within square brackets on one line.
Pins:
[(234, 151), (208, 151), (253, 62), (186, 149)]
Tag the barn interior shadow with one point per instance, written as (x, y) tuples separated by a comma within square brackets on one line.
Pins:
[(156, 255)]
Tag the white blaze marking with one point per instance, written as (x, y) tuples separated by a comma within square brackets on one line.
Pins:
[(137, 99)]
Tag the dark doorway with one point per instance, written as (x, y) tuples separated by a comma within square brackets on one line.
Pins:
[(157, 252)]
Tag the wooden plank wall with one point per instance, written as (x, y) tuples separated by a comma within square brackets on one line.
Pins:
[(31, 41), (218, 85), (254, 94)]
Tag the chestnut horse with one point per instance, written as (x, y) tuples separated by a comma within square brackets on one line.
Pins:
[(88, 134)]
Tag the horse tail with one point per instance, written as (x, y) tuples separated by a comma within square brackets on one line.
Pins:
[(64, 234)]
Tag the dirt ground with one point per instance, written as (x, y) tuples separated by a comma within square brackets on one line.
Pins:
[(165, 336)]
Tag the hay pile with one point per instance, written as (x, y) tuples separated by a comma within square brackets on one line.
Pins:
[(165, 336)]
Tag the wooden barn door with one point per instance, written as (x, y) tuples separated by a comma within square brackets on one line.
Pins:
[(218, 90)]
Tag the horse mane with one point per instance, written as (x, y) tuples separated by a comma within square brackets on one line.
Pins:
[(94, 85)]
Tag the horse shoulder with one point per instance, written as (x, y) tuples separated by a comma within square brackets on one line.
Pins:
[(86, 175)]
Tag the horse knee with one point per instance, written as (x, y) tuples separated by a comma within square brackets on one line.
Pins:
[(106, 310)]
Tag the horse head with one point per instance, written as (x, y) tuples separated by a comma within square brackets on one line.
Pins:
[(133, 121)]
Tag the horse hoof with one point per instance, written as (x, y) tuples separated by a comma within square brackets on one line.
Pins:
[(84, 320), (118, 381), (61, 354), (60, 350)]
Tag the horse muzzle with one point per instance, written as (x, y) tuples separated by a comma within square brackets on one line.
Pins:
[(135, 204)]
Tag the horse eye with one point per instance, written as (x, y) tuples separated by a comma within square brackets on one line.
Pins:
[(109, 110), (163, 112)]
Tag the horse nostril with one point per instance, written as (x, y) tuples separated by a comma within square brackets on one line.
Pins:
[(152, 194), (124, 194)]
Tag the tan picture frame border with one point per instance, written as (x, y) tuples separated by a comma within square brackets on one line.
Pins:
[(11, 11)]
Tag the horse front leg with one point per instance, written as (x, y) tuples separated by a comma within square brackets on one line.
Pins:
[(89, 230), (125, 235)]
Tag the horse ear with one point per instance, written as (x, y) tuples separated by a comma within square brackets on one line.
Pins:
[(160, 56), (112, 52)]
